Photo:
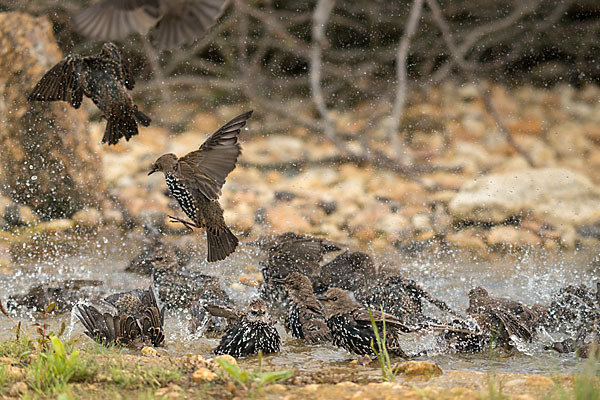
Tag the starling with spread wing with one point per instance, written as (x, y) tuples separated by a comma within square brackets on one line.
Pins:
[(195, 181), (175, 22), (104, 78), (351, 327)]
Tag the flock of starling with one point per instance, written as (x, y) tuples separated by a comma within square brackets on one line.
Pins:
[(336, 302)]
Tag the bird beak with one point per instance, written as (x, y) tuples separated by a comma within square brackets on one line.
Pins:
[(153, 170), (323, 298), (278, 280)]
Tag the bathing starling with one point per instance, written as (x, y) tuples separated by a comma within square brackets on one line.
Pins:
[(572, 308), (175, 22), (348, 271), (195, 181), (105, 79), (253, 332), (351, 328), (400, 297), (305, 318), (502, 317), (65, 294), (160, 253), (138, 321), (287, 253)]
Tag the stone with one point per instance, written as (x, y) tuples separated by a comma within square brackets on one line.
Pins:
[(15, 373), (557, 195), (228, 358), (202, 375), (419, 368), (18, 389), (149, 351), (57, 225), (48, 161), (285, 217), (510, 236), (466, 239)]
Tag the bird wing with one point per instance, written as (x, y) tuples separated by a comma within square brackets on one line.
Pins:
[(224, 311), (185, 21), (116, 19), (513, 325), (362, 315), (60, 83), (205, 170)]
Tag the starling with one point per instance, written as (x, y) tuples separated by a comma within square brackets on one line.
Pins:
[(160, 254), (351, 327), (400, 297), (502, 318), (348, 271), (105, 79), (195, 181), (287, 253), (305, 318), (252, 332), (572, 308), (139, 320), (175, 22), (65, 294)]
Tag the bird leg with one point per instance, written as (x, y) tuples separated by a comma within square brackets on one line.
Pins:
[(187, 224)]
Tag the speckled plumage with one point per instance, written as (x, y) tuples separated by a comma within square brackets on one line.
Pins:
[(139, 320), (195, 181), (351, 327), (175, 22), (305, 319), (104, 78), (348, 271), (65, 294), (502, 318), (253, 331)]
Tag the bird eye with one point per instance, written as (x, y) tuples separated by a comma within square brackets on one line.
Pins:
[(334, 299)]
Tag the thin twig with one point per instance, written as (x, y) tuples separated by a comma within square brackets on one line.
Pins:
[(438, 17), (320, 17), (413, 19)]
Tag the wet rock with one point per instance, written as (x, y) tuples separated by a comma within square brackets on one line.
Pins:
[(467, 240), (48, 161), (149, 351), (512, 237), (419, 368), (557, 195), (17, 215)]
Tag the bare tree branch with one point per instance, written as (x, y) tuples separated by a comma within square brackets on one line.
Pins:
[(396, 116)]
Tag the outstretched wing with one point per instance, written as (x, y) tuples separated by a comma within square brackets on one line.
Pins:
[(60, 83), (183, 22), (115, 19), (205, 170)]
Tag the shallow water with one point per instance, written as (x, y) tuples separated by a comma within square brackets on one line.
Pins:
[(531, 278)]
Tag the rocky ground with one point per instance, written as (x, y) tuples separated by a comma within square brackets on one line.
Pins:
[(476, 192)]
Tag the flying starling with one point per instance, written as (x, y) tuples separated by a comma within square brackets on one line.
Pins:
[(195, 181), (175, 22), (105, 79), (351, 327), (139, 321), (253, 332), (305, 318)]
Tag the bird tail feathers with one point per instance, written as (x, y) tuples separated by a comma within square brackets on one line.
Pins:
[(221, 243), (117, 127), (141, 117)]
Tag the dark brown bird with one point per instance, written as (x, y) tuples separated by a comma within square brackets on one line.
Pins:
[(400, 297), (348, 271), (253, 332), (195, 181), (572, 308), (104, 78), (66, 294), (305, 319), (351, 327), (138, 321), (287, 253), (175, 22), (503, 318)]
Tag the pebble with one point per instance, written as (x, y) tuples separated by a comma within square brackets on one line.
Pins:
[(203, 375)]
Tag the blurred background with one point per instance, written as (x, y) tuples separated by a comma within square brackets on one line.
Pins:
[(372, 118)]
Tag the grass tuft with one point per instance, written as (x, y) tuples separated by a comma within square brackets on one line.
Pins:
[(388, 373)]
